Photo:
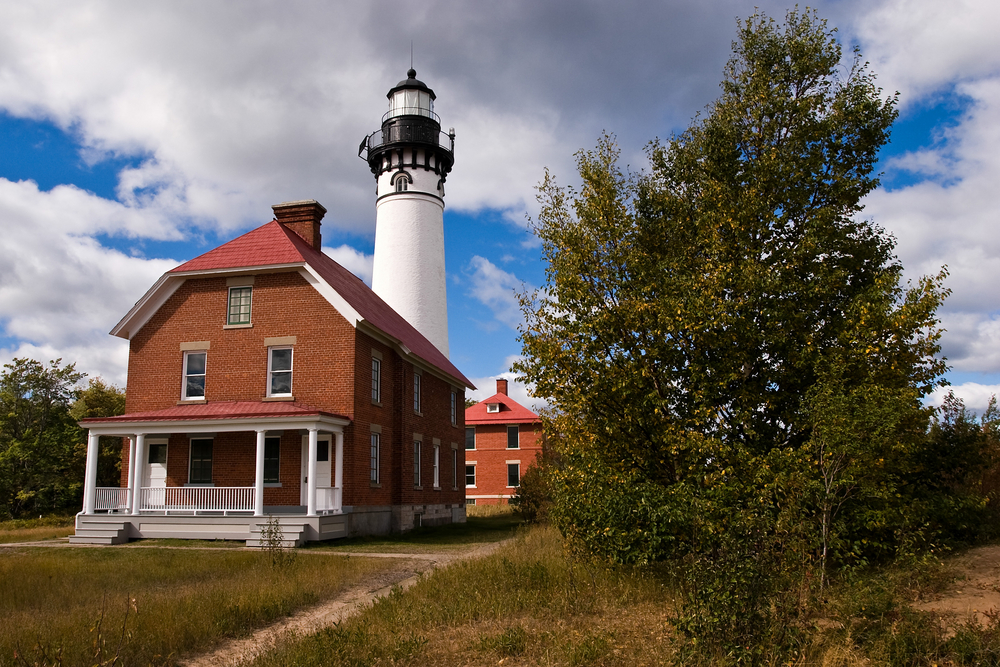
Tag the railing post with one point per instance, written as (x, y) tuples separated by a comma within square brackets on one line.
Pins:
[(90, 478), (311, 485), (258, 503), (140, 455)]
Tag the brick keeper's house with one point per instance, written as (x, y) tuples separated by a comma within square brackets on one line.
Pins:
[(266, 379), (502, 439)]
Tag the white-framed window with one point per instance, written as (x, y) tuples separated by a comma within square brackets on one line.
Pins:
[(272, 456), (416, 462), (470, 475), (454, 468), (375, 453), (492, 407), (376, 380), (416, 392), (279, 371), (239, 305), (437, 466), (470, 501), (470, 437), (513, 475), (513, 437), (193, 386), (454, 408), (200, 466)]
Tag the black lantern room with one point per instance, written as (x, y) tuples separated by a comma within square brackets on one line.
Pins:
[(411, 135)]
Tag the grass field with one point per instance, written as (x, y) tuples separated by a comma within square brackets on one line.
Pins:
[(33, 530), (180, 600), (531, 604)]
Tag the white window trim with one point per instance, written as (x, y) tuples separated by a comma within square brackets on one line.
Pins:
[(376, 380), (437, 466), (518, 464), (184, 376), (291, 371), (518, 427), (374, 473), (417, 447), (492, 407), (475, 475)]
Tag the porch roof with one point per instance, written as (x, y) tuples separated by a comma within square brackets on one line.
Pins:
[(219, 415)]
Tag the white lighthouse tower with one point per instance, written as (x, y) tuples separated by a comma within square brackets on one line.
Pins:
[(410, 158)]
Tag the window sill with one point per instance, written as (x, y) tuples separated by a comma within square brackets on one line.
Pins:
[(418, 488), (272, 485), (471, 487), (437, 488), (375, 485), (192, 401), (248, 325), (377, 404), (275, 399), (418, 414)]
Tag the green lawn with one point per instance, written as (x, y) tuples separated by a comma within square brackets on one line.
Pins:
[(449, 538), (50, 599), (33, 530)]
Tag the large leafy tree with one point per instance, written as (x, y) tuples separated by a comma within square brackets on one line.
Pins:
[(719, 333)]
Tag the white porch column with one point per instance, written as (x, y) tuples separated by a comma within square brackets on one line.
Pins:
[(130, 481), (258, 503), (90, 478), (338, 470), (311, 488), (140, 457)]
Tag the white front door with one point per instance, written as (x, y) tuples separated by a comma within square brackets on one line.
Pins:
[(324, 452), (154, 473)]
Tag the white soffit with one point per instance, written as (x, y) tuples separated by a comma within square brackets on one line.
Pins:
[(331, 295)]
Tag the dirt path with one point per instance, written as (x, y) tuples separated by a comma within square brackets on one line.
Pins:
[(404, 573), (975, 590)]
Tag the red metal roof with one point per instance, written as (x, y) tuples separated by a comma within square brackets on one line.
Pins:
[(264, 246), (511, 412), (273, 243), (217, 410)]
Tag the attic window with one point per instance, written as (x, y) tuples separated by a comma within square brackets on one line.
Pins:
[(492, 407), (239, 305)]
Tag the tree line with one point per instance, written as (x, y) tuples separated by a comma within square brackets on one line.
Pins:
[(736, 371), (43, 452)]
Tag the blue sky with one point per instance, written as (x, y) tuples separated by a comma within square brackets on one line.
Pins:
[(133, 137)]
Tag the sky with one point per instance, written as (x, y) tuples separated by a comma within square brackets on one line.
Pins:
[(137, 135)]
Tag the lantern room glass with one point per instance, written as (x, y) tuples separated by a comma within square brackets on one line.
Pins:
[(411, 102)]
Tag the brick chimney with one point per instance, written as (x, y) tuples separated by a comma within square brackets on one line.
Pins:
[(501, 386), (302, 217)]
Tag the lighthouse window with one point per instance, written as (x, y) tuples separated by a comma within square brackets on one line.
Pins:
[(400, 185)]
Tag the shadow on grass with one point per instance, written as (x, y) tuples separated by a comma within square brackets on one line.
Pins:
[(456, 536)]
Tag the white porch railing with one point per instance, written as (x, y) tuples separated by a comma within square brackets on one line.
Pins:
[(328, 499), (110, 499), (195, 499)]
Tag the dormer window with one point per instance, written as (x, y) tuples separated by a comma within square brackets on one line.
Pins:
[(492, 407)]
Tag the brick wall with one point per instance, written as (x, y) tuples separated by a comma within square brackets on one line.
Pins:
[(491, 456)]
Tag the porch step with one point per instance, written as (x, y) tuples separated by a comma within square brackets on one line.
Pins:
[(292, 532), (99, 532)]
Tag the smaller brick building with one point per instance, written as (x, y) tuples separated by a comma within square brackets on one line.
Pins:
[(502, 439)]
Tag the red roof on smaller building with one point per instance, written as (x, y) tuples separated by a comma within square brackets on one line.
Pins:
[(511, 412), (216, 410)]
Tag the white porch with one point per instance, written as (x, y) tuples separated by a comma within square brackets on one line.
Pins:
[(204, 501)]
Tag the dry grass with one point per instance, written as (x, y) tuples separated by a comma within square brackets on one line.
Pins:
[(526, 605), (34, 530), (483, 511), (186, 600)]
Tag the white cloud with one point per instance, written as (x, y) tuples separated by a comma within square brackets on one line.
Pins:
[(353, 260), (497, 290), (60, 290), (516, 388), (920, 46), (975, 396), (951, 219)]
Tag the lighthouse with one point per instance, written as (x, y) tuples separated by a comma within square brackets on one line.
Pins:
[(410, 158)]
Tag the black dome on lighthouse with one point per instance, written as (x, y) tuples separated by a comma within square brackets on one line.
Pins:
[(411, 82)]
